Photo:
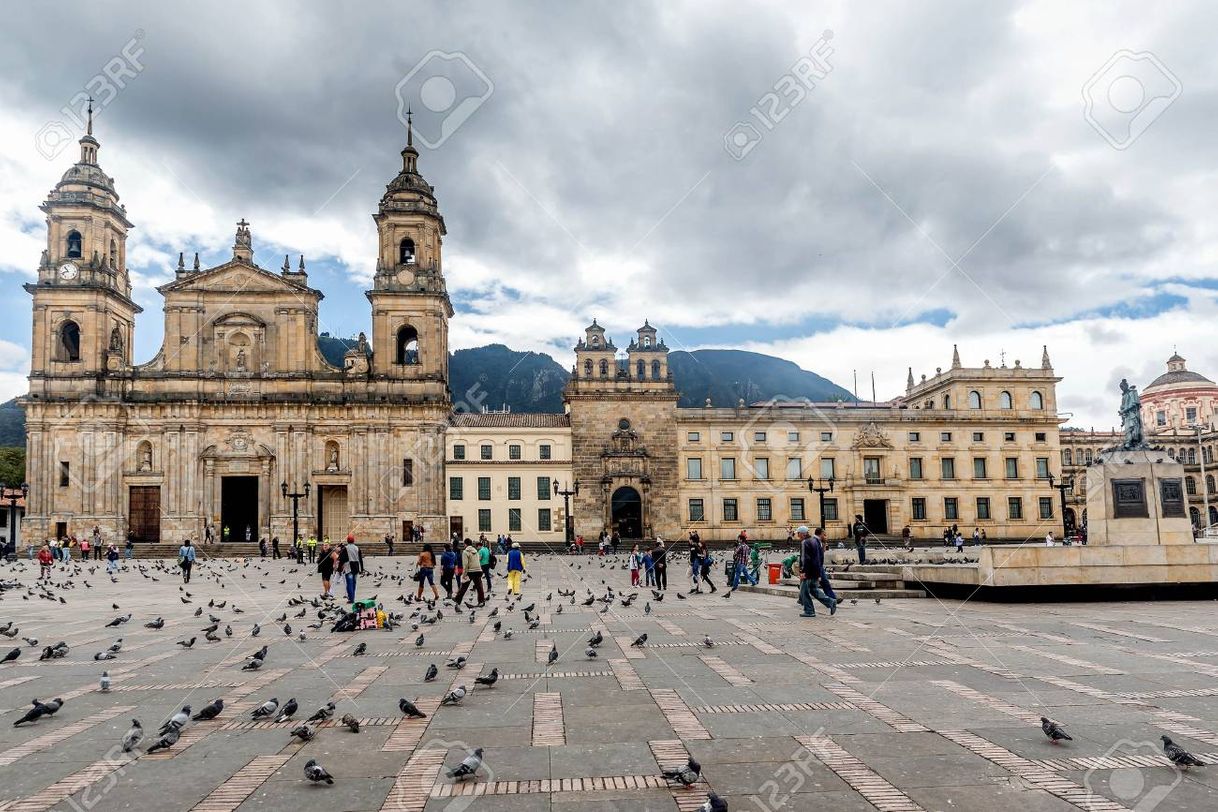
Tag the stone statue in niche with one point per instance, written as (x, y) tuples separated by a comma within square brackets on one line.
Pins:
[(116, 339), (146, 458), (332, 462), (241, 360)]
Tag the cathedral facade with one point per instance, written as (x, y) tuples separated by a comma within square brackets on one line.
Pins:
[(238, 409)]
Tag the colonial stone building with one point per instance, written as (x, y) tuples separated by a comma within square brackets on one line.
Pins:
[(239, 406), (505, 472)]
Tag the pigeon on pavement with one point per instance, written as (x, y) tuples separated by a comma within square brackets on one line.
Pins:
[(317, 773), (431, 673), (267, 708), (168, 739), (489, 680), (687, 774), (409, 709), (639, 641), (1053, 731), (303, 731), (713, 804), (178, 720), (322, 714), (210, 711), (1178, 755), (133, 737), (288, 711), (467, 768), (454, 696), (351, 722)]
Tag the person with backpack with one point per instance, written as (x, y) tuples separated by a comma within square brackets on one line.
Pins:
[(351, 565), (471, 572), (186, 560), (515, 568)]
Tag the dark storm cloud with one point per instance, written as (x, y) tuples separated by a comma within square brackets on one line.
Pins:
[(596, 176)]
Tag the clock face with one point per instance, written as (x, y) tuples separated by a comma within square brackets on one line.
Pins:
[(405, 277), (68, 270)]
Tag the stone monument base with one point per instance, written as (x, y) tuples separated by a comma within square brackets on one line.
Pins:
[(1136, 497)]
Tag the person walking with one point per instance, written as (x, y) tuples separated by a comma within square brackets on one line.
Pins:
[(615, 541), (860, 533), (448, 568), (740, 558), (907, 538), (812, 566), (389, 544), (636, 562), (351, 564), (66, 550), (275, 556), (96, 542), (486, 560), (262, 547), (186, 560), (825, 585), (84, 548), (649, 575), (425, 574), (325, 566), (112, 560), (471, 566), (705, 561), (695, 568), (45, 559), (659, 563), (515, 568), (129, 547)]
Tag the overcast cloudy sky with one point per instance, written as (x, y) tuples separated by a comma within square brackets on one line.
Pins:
[(847, 185)]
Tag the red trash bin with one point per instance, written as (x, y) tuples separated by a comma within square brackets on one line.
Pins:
[(775, 573)]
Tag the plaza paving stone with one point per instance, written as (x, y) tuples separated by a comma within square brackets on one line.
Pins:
[(902, 705)]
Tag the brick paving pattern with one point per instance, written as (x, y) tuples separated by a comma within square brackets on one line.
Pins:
[(907, 705)]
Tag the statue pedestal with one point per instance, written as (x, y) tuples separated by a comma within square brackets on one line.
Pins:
[(1136, 498)]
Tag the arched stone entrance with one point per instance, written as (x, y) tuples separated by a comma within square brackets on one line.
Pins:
[(626, 512)]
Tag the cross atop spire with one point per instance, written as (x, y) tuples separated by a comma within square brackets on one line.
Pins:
[(410, 155), (409, 128), (88, 144)]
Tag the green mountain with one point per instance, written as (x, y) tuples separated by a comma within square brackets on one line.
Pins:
[(496, 377), (728, 376)]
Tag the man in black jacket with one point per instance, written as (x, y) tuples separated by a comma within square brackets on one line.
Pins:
[(812, 566), (659, 565), (860, 532)]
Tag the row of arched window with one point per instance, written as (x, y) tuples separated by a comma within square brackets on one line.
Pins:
[(640, 369), (1188, 455), (75, 248), (1005, 401)]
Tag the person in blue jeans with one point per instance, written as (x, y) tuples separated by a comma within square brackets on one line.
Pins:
[(740, 557), (812, 566), (351, 564)]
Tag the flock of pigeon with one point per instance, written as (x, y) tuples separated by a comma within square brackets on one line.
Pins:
[(423, 614)]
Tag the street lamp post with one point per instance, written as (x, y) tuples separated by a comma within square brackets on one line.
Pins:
[(820, 487), (1066, 484), (11, 495), (568, 524), (295, 496), (1205, 491)]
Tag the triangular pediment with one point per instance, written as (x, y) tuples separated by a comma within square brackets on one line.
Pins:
[(235, 277)]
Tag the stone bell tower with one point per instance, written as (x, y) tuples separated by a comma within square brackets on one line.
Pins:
[(623, 436), (84, 318), (410, 304)]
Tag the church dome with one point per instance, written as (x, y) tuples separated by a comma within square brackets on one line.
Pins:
[(1177, 374)]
